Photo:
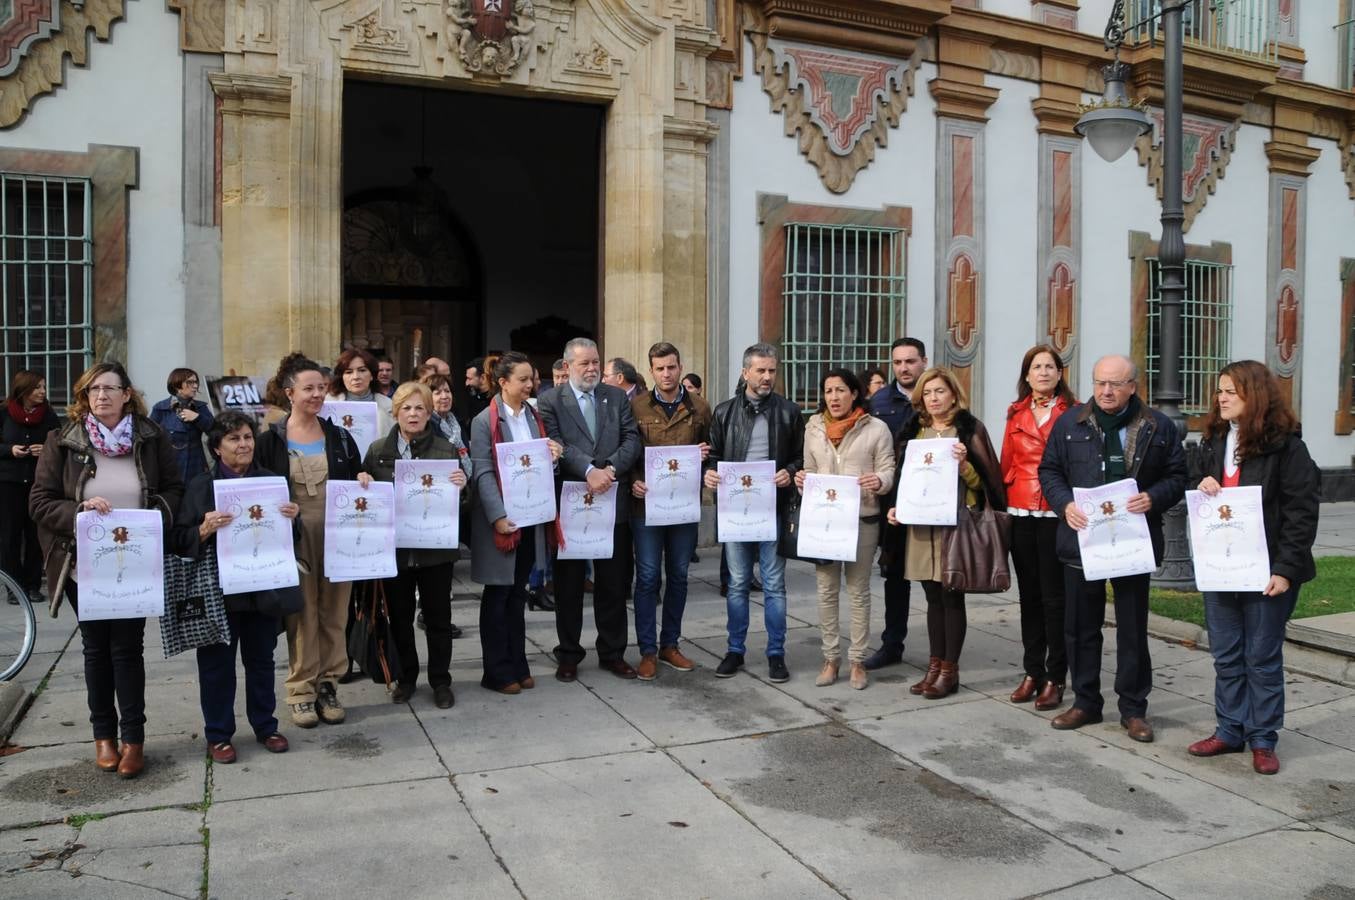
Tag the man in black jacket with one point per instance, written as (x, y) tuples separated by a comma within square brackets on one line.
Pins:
[(756, 425), (893, 405), (1115, 436)]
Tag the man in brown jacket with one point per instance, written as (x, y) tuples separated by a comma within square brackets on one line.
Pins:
[(667, 416)]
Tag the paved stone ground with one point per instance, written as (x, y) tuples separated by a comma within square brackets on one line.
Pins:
[(686, 787)]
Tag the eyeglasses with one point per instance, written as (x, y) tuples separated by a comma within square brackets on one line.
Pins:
[(105, 389), (1113, 385)]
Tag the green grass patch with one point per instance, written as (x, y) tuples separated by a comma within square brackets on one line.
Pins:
[(1332, 591), (80, 820)]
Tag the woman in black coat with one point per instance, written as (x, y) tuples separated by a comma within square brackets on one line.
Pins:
[(1252, 438), (25, 420), (253, 617)]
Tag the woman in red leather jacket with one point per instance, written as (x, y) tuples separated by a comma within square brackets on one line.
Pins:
[(1042, 395)]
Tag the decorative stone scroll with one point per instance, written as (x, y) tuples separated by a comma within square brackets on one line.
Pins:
[(1207, 146), (36, 36), (841, 104)]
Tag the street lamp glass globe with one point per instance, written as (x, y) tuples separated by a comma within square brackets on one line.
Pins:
[(1112, 130)]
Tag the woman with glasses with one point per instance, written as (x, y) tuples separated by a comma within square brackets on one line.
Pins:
[(108, 456), (185, 419)]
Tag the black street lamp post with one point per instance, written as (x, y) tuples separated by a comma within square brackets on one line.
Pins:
[(1111, 126)]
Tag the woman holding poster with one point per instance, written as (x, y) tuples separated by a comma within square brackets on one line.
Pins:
[(502, 554), (309, 451), (942, 413), (253, 616), (1252, 438), (1042, 395), (427, 570), (843, 439), (108, 456), (354, 372)]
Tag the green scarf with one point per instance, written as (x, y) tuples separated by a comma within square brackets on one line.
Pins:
[(1110, 424)]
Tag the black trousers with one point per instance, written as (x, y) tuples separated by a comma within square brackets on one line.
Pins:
[(255, 636), (1039, 579), (20, 556), (897, 597), (115, 674), (1085, 615), (434, 584), (609, 603), (503, 620)]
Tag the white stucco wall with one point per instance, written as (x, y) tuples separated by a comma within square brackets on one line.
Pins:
[(1331, 236), (1320, 40), (130, 94)]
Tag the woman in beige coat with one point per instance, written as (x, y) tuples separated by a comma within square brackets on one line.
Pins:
[(843, 439)]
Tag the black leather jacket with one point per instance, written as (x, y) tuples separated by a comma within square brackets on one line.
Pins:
[(732, 426)]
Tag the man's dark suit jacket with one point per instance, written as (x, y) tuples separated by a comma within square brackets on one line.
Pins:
[(618, 441)]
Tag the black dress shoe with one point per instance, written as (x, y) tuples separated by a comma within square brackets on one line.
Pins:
[(443, 696), (456, 632), (540, 600), (401, 693), (883, 657), (567, 672), (776, 669), (350, 676), (729, 666)]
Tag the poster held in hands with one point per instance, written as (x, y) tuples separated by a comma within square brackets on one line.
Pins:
[(527, 481), (255, 552), (1228, 540), (929, 483), (120, 564), (745, 502), (1116, 542), (427, 504), (358, 417), (673, 476), (587, 522), (830, 518), (359, 530)]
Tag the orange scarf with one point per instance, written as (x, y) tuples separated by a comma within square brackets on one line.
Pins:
[(837, 428)]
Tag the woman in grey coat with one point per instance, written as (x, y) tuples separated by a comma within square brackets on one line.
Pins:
[(502, 554)]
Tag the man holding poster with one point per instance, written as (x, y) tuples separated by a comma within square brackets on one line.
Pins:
[(757, 425), (674, 427), (594, 424), (1112, 437)]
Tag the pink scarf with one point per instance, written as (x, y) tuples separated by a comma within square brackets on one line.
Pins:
[(116, 441)]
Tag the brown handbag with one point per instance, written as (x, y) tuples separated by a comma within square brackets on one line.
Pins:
[(974, 552)]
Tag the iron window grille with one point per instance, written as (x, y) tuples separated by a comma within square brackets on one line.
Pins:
[(1239, 27), (46, 278), (1207, 323), (844, 302)]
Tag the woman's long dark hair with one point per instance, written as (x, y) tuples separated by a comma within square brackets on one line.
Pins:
[(1267, 418), (848, 378)]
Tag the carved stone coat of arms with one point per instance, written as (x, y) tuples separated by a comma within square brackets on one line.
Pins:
[(491, 36)]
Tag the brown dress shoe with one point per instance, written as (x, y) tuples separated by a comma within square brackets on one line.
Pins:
[(133, 760), (106, 755), (1212, 746), (1051, 696), (1074, 718), (1264, 761), (275, 743), (527, 683), (618, 667), (510, 688), (567, 672), (222, 753), (1138, 729), (648, 669), (1025, 691), (672, 658), (947, 682), (933, 670)]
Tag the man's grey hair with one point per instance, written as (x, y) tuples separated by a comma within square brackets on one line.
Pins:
[(766, 351), (625, 368), (1120, 357), (578, 343)]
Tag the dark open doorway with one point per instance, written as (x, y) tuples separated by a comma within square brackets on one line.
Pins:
[(471, 223)]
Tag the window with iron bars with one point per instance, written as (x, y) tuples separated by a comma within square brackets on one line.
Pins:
[(1207, 325), (1240, 27), (46, 279), (844, 299)]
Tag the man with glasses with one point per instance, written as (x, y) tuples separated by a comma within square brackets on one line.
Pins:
[(1112, 437)]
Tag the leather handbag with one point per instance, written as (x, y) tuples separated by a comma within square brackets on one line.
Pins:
[(974, 552), (788, 531)]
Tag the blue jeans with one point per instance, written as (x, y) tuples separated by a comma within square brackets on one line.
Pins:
[(254, 635), (674, 544), (1246, 637), (741, 559)]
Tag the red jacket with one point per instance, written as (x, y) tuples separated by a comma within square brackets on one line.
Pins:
[(1022, 446)]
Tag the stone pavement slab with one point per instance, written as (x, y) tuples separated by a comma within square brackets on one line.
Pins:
[(1194, 677), (1116, 805), (873, 824), (1332, 722), (407, 840), (1115, 887), (628, 825), (1296, 862)]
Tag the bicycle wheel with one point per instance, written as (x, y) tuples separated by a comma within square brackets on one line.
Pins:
[(18, 628)]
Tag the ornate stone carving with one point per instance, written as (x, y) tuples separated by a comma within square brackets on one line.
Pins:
[(491, 36), (371, 34), (35, 38), (1348, 161), (1208, 147), (594, 60), (841, 104)]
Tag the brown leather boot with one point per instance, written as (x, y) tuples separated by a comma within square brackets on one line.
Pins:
[(1025, 691), (1051, 696), (946, 683), (133, 761), (933, 670), (106, 755)]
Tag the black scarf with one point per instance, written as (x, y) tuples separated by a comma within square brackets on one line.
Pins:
[(1110, 423)]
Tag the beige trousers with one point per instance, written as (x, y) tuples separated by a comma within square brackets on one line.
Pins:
[(317, 645), (829, 577)]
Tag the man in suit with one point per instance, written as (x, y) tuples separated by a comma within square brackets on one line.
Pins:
[(593, 422)]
